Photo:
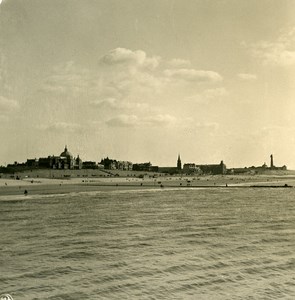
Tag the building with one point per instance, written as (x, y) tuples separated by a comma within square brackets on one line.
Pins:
[(142, 167), (67, 160), (213, 169), (273, 167), (89, 165), (260, 169), (189, 167), (63, 161), (124, 165), (146, 167), (32, 163), (79, 163), (109, 164)]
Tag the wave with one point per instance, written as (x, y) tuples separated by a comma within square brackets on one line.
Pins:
[(11, 198)]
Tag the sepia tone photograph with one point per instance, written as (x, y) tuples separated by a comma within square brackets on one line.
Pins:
[(148, 149)]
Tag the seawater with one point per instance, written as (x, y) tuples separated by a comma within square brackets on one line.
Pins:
[(153, 244)]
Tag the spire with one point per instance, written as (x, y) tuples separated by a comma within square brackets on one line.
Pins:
[(178, 162)]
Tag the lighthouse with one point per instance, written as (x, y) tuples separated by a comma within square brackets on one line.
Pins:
[(271, 162)]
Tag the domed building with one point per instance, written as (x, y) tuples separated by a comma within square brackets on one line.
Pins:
[(65, 161), (66, 153)]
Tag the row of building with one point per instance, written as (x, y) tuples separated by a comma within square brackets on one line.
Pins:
[(112, 164), (259, 169), (63, 161), (67, 161), (213, 169)]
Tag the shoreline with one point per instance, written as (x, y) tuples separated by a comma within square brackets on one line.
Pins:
[(45, 186)]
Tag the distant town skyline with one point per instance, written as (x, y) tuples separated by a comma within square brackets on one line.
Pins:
[(66, 160), (146, 80)]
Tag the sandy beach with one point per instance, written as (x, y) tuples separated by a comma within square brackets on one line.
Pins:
[(59, 186)]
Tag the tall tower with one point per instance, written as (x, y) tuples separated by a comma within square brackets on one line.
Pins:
[(271, 161), (178, 163)]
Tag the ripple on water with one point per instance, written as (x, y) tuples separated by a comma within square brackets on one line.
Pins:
[(180, 244)]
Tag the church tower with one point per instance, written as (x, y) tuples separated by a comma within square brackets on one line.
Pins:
[(178, 163)]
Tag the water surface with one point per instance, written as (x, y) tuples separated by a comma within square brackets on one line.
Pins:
[(152, 244)]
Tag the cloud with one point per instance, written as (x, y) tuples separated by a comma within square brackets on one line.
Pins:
[(114, 88), (3, 118), (135, 121), (113, 103), (4, 82), (123, 121), (63, 127), (160, 120), (126, 86), (208, 95), (179, 63), (67, 79), (152, 62), (211, 126), (277, 130), (193, 75), (8, 105), (107, 102), (215, 93), (193, 126), (123, 56), (276, 53), (247, 76)]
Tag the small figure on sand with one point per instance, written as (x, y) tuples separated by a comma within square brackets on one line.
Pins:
[(25, 192)]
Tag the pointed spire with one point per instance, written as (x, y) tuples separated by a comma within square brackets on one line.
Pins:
[(178, 162)]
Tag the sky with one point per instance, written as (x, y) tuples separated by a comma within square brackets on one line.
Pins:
[(145, 80)]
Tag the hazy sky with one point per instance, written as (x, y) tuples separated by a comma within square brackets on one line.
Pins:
[(144, 80)]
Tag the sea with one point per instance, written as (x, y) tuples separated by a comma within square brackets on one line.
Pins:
[(177, 243)]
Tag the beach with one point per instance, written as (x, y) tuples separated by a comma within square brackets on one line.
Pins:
[(61, 186)]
